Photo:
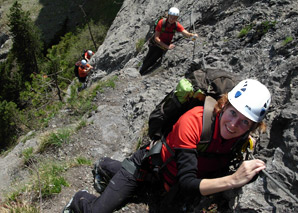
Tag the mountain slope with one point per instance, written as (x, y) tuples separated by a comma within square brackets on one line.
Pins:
[(267, 52)]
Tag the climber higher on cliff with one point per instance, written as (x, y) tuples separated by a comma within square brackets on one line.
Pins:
[(161, 41)]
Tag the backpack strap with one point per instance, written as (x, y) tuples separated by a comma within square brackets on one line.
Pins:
[(164, 24), (206, 134), (174, 31), (207, 119)]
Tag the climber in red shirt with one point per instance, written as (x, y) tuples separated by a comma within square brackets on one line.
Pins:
[(87, 55), (236, 115), (161, 41)]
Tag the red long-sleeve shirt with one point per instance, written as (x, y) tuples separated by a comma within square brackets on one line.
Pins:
[(189, 168)]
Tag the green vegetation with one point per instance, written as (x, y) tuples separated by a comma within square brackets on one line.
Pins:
[(8, 125), (82, 102), (30, 98), (27, 45), (83, 161), (139, 143), (79, 103), (264, 27), (139, 45), (287, 40), (81, 124), (55, 140), (33, 85), (28, 137), (19, 207), (28, 155), (244, 31), (50, 178), (259, 29), (46, 176), (46, 179), (144, 134)]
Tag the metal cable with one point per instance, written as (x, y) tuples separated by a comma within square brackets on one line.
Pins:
[(275, 181)]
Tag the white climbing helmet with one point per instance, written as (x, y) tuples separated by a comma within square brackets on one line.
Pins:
[(174, 11), (251, 98), (90, 52), (84, 62)]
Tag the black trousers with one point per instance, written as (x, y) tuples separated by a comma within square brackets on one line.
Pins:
[(152, 56), (121, 187), (82, 79)]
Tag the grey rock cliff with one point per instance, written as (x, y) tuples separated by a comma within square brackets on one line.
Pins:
[(263, 53), (267, 52)]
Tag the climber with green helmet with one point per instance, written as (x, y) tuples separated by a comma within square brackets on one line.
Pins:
[(183, 167), (161, 41)]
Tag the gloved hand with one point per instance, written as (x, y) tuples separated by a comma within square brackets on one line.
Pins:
[(184, 90), (194, 37)]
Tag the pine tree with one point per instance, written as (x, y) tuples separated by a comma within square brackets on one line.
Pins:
[(26, 40), (11, 80), (8, 128)]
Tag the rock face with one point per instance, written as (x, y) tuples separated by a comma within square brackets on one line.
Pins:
[(265, 50)]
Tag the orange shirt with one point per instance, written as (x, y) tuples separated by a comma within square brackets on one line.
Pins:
[(83, 70)]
